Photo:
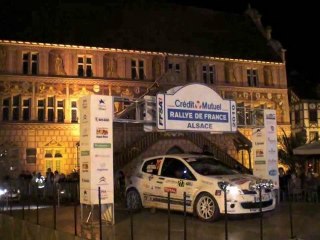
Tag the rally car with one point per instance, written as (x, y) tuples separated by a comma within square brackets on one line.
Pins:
[(201, 178)]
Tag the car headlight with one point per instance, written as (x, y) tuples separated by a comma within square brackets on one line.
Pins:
[(233, 190), (2, 191)]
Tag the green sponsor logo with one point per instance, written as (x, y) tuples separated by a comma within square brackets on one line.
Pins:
[(102, 145), (260, 162), (85, 153)]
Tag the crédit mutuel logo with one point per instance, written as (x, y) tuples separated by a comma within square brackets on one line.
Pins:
[(197, 105)]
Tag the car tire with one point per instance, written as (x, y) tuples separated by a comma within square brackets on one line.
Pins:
[(133, 200), (206, 207)]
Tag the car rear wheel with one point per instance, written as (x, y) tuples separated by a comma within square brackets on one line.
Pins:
[(133, 199), (206, 207)]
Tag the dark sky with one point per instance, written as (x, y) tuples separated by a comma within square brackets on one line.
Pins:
[(294, 24)]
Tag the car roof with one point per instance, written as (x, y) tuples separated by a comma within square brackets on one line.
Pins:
[(180, 155)]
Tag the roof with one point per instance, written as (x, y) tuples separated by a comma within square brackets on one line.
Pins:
[(155, 27), (181, 155), (308, 149)]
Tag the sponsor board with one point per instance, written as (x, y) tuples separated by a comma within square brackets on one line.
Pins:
[(267, 167), (259, 153), (102, 104), (85, 153), (260, 162), (84, 103), (273, 172), (102, 145), (195, 107), (85, 167), (96, 159), (101, 155), (102, 132), (102, 119)]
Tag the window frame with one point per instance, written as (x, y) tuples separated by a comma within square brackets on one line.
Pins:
[(87, 70), (209, 73), (138, 70), (32, 65), (253, 77)]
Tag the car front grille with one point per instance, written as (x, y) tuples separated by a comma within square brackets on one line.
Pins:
[(249, 205)]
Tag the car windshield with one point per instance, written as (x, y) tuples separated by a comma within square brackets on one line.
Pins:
[(209, 166)]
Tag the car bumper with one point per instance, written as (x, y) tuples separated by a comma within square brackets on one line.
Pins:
[(247, 207)]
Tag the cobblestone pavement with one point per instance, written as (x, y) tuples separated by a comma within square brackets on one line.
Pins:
[(148, 225)]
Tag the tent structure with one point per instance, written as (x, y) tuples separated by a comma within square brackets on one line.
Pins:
[(308, 149)]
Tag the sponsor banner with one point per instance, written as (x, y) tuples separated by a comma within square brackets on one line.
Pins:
[(96, 155), (195, 107), (265, 148), (102, 145)]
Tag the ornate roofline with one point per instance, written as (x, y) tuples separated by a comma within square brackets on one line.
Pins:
[(117, 50)]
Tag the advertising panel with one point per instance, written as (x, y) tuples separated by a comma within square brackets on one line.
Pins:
[(96, 149), (195, 107), (265, 149)]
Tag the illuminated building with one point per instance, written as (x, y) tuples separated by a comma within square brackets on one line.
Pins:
[(40, 83)]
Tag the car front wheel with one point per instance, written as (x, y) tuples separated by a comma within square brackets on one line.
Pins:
[(133, 199), (206, 207)]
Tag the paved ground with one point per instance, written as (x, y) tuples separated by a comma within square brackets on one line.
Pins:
[(147, 225)]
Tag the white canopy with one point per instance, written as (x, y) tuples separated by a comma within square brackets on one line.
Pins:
[(308, 149)]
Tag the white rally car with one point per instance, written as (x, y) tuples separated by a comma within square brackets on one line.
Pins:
[(199, 176)]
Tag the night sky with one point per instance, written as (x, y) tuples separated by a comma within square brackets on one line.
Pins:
[(293, 24)]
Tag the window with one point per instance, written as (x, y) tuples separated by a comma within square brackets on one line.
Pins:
[(60, 110), (30, 63), (31, 155), (208, 74), (74, 112), (5, 109), (174, 67), (174, 168), (85, 66), (50, 109), (152, 166), (252, 76), (15, 108), (313, 115), (26, 109), (137, 69), (41, 110)]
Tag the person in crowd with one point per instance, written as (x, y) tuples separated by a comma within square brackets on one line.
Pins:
[(56, 177), (295, 187), (311, 188), (48, 183), (283, 183)]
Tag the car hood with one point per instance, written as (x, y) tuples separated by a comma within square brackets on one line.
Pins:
[(241, 180)]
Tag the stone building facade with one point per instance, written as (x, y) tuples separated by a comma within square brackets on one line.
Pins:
[(41, 82), (305, 116)]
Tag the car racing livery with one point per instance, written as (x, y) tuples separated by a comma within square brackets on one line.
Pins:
[(198, 176)]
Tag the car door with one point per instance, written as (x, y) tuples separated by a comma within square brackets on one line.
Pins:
[(177, 179), (150, 187)]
